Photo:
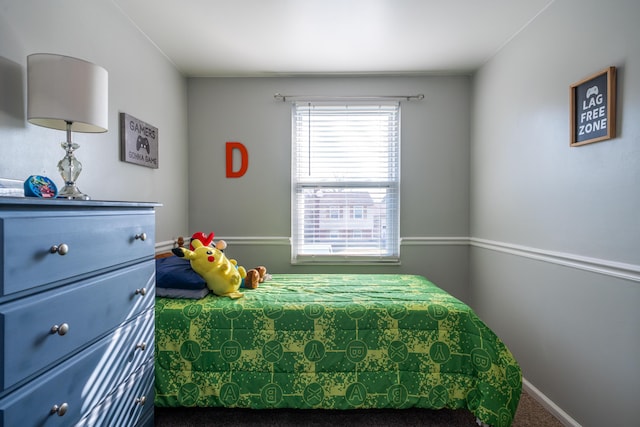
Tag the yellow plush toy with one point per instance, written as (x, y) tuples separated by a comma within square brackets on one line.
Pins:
[(222, 275)]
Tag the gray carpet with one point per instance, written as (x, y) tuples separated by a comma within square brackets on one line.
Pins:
[(529, 414)]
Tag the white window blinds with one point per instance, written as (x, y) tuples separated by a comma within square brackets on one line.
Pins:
[(345, 182)]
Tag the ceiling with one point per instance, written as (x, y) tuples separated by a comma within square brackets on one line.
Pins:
[(208, 38)]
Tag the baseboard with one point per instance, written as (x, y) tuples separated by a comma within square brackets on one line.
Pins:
[(549, 405)]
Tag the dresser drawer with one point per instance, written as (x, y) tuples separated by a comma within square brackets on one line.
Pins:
[(94, 240), (89, 309), (84, 382), (127, 404)]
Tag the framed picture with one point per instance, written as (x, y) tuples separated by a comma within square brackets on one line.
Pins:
[(593, 108), (139, 142)]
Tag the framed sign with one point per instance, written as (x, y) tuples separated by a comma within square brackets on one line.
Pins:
[(593, 108), (139, 142)]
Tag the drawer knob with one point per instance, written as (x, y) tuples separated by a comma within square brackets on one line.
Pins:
[(61, 329), (142, 346), (141, 291), (141, 236), (60, 410), (141, 400), (61, 249)]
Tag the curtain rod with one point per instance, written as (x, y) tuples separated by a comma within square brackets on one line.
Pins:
[(284, 98)]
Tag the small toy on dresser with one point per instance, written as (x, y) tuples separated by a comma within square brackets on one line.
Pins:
[(40, 186)]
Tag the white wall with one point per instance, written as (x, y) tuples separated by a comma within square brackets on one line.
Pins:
[(555, 261), (253, 213), (142, 83)]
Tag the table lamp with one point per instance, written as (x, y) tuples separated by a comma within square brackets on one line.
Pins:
[(68, 94)]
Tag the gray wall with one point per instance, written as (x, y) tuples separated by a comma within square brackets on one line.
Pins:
[(553, 264), (142, 83), (253, 213), (555, 257)]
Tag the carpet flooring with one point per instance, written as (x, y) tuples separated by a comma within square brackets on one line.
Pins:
[(529, 414)]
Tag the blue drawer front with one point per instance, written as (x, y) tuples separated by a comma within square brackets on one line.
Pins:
[(95, 240), (90, 309), (132, 401), (104, 370)]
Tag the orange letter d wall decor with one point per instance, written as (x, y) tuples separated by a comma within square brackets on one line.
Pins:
[(244, 159)]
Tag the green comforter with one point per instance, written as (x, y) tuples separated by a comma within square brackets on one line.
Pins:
[(334, 341)]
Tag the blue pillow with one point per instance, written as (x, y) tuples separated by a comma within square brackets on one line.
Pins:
[(182, 293), (176, 273)]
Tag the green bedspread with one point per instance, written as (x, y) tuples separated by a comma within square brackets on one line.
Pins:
[(334, 341)]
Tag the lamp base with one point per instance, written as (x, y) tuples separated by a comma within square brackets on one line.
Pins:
[(70, 168), (70, 191)]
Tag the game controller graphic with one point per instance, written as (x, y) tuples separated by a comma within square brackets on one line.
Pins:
[(143, 143), (593, 90)]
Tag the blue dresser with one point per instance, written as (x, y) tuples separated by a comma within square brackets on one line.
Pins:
[(77, 291)]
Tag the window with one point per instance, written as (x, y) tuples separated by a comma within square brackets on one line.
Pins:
[(358, 212), (345, 182)]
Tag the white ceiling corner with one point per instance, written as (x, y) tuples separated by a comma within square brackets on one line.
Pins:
[(295, 37)]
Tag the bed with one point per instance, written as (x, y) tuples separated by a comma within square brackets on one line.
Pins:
[(333, 341)]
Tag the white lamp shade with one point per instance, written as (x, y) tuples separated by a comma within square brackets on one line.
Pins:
[(62, 89)]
